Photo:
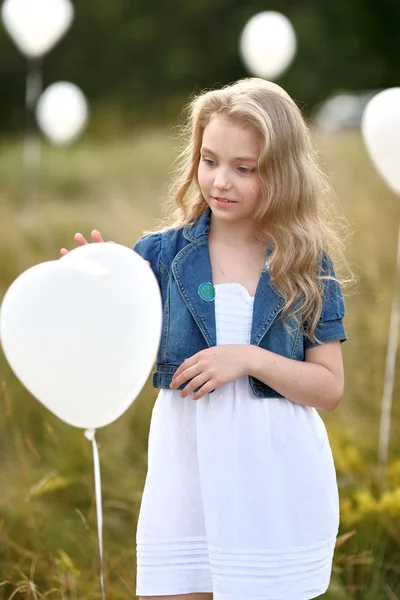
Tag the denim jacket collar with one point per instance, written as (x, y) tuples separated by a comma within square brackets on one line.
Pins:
[(192, 267), (200, 227)]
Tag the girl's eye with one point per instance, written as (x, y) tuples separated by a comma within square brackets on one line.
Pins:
[(245, 170), (209, 162)]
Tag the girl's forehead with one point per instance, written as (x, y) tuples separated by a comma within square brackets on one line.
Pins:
[(223, 134)]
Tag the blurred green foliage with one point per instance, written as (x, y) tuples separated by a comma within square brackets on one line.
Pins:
[(142, 59)]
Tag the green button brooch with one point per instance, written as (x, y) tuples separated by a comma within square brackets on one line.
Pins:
[(206, 291)]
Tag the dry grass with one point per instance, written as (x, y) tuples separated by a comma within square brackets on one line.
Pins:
[(48, 545)]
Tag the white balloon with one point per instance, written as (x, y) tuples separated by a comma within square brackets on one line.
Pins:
[(380, 127), (82, 332), (36, 25), (62, 113), (342, 111), (268, 44)]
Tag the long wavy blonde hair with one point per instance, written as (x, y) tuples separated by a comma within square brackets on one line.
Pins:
[(295, 214)]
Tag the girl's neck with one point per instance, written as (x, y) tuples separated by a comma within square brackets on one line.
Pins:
[(232, 234)]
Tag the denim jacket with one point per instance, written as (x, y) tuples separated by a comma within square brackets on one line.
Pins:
[(181, 263)]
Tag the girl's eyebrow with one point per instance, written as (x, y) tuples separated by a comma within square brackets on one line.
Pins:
[(240, 158)]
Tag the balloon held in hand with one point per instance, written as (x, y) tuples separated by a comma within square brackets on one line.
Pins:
[(82, 333)]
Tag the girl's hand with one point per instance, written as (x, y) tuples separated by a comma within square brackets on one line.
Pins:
[(210, 369), (80, 240)]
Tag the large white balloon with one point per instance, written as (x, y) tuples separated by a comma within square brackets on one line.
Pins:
[(36, 25), (268, 44), (82, 333), (380, 127), (62, 113)]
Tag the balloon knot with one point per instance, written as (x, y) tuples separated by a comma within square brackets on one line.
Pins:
[(89, 434)]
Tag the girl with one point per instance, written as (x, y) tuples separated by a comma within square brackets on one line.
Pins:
[(241, 498)]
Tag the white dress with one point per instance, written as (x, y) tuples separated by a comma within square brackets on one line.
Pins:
[(241, 496)]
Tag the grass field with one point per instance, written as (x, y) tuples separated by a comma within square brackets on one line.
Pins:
[(48, 536)]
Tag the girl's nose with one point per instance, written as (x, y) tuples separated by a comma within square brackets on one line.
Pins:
[(222, 181)]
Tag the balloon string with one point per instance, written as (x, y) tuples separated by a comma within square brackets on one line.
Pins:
[(90, 434)]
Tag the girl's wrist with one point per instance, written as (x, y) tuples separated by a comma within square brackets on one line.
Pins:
[(250, 356)]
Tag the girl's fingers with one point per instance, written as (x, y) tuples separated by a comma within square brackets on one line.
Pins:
[(96, 237), (187, 374), (80, 240), (205, 389), (197, 382), (187, 363), (183, 374)]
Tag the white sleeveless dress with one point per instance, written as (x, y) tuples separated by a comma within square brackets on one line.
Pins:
[(241, 497)]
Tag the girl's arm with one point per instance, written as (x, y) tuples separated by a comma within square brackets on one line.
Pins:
[(317, 382)]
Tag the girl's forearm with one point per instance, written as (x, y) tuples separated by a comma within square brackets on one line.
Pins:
[(306, 383)]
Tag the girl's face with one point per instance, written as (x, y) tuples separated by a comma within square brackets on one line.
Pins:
[(227, 172)]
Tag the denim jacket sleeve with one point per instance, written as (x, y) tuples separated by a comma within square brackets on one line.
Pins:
[(149, 248), (330, 327)]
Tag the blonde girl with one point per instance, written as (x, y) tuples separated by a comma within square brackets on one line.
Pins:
[(241, 498)]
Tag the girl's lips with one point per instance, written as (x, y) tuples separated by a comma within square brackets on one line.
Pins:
[(224, 200)]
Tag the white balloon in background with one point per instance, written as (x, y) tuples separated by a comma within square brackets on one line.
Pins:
[(82, 332), (62, 113), (380, 127), (268, 44), (36, 25)]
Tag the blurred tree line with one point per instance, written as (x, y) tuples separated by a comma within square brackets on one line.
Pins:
[(143, 58)]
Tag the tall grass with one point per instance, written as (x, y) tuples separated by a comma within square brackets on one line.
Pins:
[(48, 539)]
